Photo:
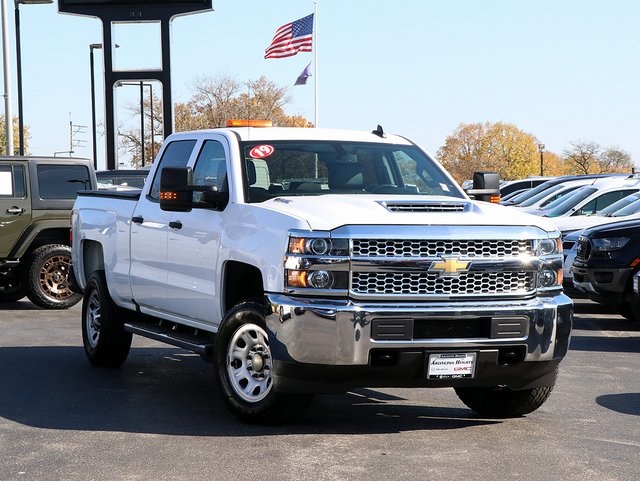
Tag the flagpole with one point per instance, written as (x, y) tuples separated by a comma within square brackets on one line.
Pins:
[(315, 60)]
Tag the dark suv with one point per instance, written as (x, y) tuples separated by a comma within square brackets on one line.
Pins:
[(608, 256)]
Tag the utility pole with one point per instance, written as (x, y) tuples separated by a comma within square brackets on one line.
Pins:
[(74, 143)]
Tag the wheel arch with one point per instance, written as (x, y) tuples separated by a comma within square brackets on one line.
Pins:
[(241, 282), (38, 236), (92, 260)]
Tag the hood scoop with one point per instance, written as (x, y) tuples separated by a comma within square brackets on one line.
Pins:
[(424, 206)]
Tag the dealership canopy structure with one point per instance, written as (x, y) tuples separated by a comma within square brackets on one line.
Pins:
[(134, 11)]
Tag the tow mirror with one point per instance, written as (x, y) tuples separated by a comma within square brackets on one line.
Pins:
[(175, 192), (486, 187)]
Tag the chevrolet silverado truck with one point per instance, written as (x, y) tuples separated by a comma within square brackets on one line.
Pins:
[(36, 197), (306, 261)]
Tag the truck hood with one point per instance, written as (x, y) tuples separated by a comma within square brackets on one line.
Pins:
[(571, 223), (328, 212)]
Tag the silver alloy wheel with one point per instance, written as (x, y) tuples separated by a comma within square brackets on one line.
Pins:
[(249, 363), (92, 320)]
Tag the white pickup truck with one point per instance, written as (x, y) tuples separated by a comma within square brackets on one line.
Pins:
[(306, 261)]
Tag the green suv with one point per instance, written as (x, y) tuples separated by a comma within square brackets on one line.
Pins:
[(36, 198)]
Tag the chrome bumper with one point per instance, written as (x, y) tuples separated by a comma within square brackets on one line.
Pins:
[(340, 333)]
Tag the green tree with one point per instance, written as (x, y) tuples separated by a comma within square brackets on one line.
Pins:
[(512, 153), (16, 137), (499, 147), (554, 164), (465, 151), (585, 157)]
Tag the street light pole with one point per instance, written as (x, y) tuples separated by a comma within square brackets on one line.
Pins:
[(19, 67), (6, 61), (142, 84), (142, 122), (153, 132), (93, 104), (541, 149)]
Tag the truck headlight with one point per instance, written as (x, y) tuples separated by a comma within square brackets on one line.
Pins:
[(546, 247), (317, 262), (608, 244), (318, 246), (549, 278)]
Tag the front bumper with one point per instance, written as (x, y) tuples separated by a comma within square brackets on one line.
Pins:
[(333, 345), (603, 285)]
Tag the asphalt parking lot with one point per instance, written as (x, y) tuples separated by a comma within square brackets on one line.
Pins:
[(160, 418)]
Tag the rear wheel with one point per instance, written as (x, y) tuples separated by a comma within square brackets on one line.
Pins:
[(503, 402), (47, 277), (244, 370), (106, 343)]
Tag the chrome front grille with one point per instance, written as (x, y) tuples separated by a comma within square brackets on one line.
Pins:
[(433, 285), (436, 248)]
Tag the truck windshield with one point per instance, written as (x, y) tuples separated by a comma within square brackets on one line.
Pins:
[(284, 168)]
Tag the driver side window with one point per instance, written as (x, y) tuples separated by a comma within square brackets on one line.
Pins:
[(176, 154), (210, 168)]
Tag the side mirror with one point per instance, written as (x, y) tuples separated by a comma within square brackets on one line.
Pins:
[(486, 187), (175, 194)]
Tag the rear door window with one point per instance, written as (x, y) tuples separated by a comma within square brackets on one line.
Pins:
[(12, 181), (56, 181)]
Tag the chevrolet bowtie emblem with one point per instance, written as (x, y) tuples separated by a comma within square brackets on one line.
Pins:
[(449, 266)]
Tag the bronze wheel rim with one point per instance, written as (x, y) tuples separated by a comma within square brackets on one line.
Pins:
[(54, 277)]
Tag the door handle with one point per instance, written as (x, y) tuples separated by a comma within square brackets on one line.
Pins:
[(138, 219), (175, 224), (15, 210)]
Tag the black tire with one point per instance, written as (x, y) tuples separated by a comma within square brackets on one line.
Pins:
[(503, 402), (47, 277), (634, 308), (627, 310), (243, 365), (11, 290), (106, 343)]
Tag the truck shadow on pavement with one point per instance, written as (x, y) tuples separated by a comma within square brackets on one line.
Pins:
[(617, 334), (20, 306), (625, 403), (170, 391)]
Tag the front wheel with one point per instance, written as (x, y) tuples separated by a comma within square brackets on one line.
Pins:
[(503, 402), (47, 277), (106, 343), (244, 370)]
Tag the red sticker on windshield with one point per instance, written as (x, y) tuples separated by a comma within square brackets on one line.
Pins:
[(261, 151)]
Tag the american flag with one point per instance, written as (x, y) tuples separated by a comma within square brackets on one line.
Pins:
[(292, 38)]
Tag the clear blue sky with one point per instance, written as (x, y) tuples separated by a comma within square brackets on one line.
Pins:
[(562, 70)]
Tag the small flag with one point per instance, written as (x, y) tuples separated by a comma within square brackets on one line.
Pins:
[(302, 78), (292, 38)]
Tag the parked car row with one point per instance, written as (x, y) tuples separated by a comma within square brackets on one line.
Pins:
[(599, 218)]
